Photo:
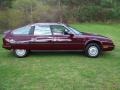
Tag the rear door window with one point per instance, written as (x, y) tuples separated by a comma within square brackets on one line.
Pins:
[(42, 30)]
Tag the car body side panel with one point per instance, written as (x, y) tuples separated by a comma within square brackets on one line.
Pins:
[(31, 42), (67, 42), (21, 42), (41, 43), (56, 42)]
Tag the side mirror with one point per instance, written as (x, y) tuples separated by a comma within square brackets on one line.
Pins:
[(71, 35), (68, 33)]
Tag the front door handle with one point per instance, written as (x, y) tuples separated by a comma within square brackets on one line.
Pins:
[(62, 39)]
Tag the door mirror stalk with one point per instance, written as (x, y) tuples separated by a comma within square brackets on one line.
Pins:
[(71, 35), (68, 33)]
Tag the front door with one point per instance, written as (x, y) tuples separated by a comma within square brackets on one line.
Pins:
[(63, 40)]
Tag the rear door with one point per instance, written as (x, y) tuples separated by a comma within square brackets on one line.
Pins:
[(42, 38)]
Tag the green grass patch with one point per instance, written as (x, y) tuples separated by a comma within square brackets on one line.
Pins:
[(64, 71)]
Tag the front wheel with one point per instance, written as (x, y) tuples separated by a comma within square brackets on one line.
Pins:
[(93, 50), (20, 52)]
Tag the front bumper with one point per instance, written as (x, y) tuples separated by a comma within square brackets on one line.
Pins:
[(108, 46)]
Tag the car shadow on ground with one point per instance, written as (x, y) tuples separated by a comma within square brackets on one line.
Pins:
[(59, 54)]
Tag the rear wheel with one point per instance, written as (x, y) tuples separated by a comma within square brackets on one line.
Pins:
[(92, 50), (20, 52)]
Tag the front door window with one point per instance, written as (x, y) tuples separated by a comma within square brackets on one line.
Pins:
[(58, 30)]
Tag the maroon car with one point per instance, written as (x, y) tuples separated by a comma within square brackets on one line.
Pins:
[(54, 37)]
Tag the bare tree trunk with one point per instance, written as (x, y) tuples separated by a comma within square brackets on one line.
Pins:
[(60, 11), (31, 12)]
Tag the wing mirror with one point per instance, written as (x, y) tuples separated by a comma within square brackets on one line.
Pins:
[(71, 35)]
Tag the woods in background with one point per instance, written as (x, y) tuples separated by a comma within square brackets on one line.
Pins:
[(15, 13)]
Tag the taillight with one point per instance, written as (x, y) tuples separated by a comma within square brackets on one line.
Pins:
[(10, 40), (5, 43)]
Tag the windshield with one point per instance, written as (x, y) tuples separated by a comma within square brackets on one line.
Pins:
[(74, 30)]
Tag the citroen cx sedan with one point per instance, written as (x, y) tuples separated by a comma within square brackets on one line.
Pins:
[(54, 37)]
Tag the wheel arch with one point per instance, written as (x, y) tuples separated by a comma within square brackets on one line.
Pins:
[(94, 41)]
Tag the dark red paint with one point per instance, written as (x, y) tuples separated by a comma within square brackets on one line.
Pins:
[(55, 42)]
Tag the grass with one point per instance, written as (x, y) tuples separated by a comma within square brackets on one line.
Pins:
[(64, 71)]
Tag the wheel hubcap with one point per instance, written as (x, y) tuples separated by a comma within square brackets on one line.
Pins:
[(93, 51), (21, 52)]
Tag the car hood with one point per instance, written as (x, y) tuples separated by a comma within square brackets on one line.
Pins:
[(94, 35)]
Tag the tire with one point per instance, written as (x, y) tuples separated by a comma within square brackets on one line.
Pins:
[(92, 50), (20, 53)]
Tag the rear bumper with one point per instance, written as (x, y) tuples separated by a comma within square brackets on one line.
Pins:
[(6, 47)]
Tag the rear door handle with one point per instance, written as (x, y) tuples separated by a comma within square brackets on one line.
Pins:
[(49, 39)]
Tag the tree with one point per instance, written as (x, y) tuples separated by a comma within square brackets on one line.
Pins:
[(5, 4), (27, 7)]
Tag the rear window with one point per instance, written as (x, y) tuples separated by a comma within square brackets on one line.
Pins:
[(22, 31)]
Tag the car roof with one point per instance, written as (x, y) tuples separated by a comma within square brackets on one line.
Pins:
[(40, 24)]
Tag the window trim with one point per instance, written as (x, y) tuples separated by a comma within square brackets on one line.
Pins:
[(32, 30)]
